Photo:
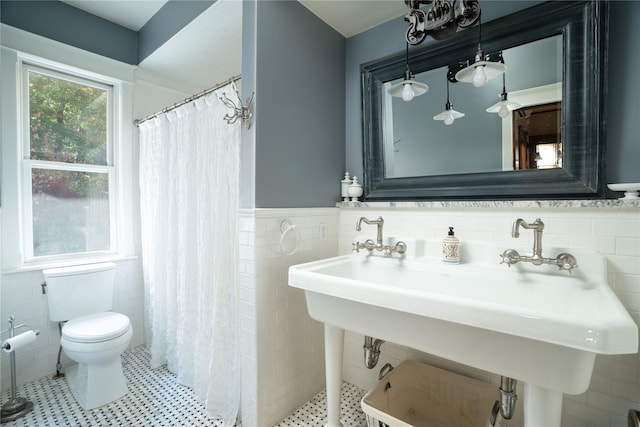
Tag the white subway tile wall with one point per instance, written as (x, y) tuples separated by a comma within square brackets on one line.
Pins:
[(22, 297), (615, 232), (282, 348)]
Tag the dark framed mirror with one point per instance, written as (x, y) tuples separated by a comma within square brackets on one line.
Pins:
[(578, 31)]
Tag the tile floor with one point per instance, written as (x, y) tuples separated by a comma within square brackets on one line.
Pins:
[(151, 402), (314, 412)]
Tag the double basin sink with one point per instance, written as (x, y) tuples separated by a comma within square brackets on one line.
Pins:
[(534, 323)]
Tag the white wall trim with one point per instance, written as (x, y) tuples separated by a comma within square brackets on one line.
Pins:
[(24, 41)]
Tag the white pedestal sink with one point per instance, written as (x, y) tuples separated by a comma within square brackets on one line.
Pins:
[(535, 324)]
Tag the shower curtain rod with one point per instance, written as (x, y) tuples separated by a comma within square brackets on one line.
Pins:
[(186, 101)]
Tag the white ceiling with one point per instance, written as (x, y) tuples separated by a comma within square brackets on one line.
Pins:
[(209, 48), (348, 17), (207, 51), (351, 17), (131, 14)]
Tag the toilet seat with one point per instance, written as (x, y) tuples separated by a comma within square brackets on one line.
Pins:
[(96, 328)]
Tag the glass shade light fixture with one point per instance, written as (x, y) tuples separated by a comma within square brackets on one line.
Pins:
[(408, 88), (482, 69), (449, 115), (504, 107)]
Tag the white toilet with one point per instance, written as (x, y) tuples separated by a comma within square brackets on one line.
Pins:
[(93, 336)]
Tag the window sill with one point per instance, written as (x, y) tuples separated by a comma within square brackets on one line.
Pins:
[(69, 262)]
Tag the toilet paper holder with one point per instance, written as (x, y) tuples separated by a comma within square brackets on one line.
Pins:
[(18, 406), (11, 331)]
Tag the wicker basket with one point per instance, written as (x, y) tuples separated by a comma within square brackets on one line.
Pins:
[(419, 395)]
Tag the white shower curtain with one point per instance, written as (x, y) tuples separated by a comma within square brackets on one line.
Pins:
[(189, 184)]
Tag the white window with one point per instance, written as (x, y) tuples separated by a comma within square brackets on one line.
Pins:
[(66, 164), (68, 170)]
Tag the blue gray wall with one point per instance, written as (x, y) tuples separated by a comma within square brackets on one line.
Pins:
[(623, 126), (307, 79), (623, 115), (298, 132), (293, 156), (248, 87)]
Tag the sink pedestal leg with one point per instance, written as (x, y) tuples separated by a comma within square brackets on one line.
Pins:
[(333, 348), (542, 407)]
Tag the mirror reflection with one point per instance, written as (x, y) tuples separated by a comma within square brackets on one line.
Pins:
[(528, 137)]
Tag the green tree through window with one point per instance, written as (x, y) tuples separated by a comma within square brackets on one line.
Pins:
[(69, 162), (68, 121)]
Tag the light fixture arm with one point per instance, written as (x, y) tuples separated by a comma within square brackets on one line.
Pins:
[(503, 95), (407, 70), (407, 73), (448, 104), (480, 32), (480, 53)]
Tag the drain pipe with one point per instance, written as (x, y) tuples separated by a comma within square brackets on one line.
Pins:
[(371, 351), (508, 396)]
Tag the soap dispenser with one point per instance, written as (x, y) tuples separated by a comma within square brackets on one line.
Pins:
[(451, 248)]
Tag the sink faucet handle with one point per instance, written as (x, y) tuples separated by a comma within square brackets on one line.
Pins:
[(355, 247), (510, 256), (566, 261), (369, 245), (505, 260)]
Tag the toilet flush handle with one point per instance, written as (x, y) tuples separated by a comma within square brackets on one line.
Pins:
[(44, 288)]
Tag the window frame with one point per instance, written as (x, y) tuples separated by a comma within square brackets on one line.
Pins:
[(24, 48), (28, 164)]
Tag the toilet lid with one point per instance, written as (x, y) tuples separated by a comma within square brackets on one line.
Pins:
[(96, 327)]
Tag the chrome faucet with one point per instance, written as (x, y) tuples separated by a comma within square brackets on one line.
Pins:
[(537, 226), (399, 247), (564, 260), (379, 222)]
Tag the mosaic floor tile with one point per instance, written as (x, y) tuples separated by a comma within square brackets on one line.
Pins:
[(156, 399), (314, 412)]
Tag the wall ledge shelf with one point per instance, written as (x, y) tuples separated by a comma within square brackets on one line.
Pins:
[(597, 203)]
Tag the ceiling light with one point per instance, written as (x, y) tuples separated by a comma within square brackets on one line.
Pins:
[(482, 69), (408, 88), (504, 107), (449, 114)]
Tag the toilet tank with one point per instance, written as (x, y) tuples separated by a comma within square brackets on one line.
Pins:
[(79, 291)]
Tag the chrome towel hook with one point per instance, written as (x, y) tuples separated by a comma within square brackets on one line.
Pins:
[(241, 112)]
